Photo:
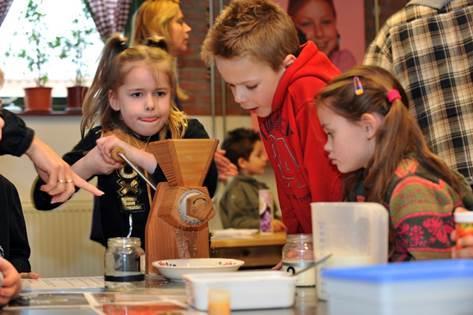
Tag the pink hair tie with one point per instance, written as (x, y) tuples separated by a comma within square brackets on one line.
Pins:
[(393, 95)]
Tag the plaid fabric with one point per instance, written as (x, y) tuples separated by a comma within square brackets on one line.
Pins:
[(431, 52), (4, 7), (110, 16)]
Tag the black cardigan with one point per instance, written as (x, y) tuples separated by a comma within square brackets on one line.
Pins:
[(16, 139), (108, 218)]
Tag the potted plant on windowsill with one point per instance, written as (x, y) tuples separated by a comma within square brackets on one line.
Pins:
[(38, 98), (73, 47)]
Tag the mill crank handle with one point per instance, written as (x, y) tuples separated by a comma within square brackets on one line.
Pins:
[(117, 154)]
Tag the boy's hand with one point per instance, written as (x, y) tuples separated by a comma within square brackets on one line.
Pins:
[(278, 226), (11, 281), (225, 168), (466, 243)]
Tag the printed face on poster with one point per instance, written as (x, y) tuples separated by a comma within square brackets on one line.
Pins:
[(336, 26)]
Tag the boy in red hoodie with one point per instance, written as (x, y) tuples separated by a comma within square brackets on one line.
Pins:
[(256, 50)]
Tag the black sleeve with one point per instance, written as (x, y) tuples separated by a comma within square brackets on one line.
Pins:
[(14, 239), (42, 200), (16, 137), (195, 130)]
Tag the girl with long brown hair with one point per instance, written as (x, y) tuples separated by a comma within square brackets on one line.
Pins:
[(378, 146), (129, 104)]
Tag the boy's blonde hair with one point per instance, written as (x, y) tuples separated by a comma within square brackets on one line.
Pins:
[(153, 19), (113, 67), (259, 29), (2, 78)]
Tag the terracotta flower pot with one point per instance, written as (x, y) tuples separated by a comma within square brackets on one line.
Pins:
[(75, 97), (38, 99)]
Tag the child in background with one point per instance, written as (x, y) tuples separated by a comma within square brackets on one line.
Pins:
[(254, 44), (376, 143), (317, 19), (239, 205), (132, 94)]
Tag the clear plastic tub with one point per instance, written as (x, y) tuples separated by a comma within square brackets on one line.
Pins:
[(355, 233), (428, 287), (247, 289)]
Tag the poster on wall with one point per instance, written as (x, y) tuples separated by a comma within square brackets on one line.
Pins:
[(336, 26)]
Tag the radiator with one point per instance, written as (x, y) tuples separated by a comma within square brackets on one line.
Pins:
[(59, 241)]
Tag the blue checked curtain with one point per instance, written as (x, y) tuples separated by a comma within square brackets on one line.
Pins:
[(110, 16), (4, 7)]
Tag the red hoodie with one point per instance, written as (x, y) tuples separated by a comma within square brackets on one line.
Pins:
[(294, 140)]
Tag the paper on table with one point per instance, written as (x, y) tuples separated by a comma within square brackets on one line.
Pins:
[(70, 283)]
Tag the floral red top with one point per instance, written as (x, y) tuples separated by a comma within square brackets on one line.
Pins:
[(420, 211)]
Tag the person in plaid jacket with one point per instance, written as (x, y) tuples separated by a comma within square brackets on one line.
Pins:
[(428, 46)]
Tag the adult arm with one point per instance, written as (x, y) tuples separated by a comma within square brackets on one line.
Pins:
[(41, 199), (17, 139), (16, 136)]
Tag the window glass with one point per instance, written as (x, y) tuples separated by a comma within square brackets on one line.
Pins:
[(61, 18)]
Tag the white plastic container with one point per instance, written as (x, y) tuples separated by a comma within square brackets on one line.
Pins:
[(355, 233), (438, 287), (247, 289)]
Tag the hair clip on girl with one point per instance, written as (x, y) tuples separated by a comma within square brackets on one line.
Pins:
[(357, 86)]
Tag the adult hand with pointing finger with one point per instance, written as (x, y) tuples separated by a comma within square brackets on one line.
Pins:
[(60, 179)]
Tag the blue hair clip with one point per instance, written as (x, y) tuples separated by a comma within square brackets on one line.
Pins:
[(357, 86)]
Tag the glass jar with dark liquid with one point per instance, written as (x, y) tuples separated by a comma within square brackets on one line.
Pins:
[(124, 263)]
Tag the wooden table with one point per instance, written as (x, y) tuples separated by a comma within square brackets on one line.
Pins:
[(306, 302), (257, 251)]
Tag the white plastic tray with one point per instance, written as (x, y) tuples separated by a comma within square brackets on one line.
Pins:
[(247, 289)]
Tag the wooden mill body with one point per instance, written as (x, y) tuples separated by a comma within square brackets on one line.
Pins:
[(185, 163)]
